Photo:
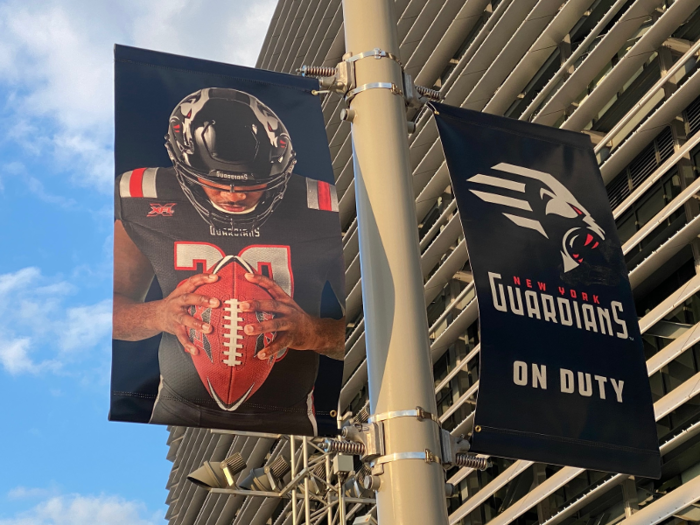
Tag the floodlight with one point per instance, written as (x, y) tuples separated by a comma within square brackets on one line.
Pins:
[(209, 476), (363, 414), (269, 477), (316, 486), (215, 475), (231, 466), (354, 488), (355, 485)]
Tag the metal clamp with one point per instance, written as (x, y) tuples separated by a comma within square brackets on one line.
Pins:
[(376, 53), (418, 413), (370, 437), (341, 79), (396, 90), (426, 456)]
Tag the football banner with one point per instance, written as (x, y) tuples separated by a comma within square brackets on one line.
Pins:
[(229, 291), (562, 372)]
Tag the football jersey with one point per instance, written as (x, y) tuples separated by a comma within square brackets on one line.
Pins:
[(298, 246)]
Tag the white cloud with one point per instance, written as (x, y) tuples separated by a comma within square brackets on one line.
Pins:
[(85, 326), (12, 282), (43, 330), (230, 32), (62, 84), (14, 356), (37, 188), (56, 65), (85, 510), (19, 493)]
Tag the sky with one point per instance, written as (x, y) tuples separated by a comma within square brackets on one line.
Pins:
[(61, 461)]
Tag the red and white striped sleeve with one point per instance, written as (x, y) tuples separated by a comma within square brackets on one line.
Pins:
[(321, 195), (139, 183)]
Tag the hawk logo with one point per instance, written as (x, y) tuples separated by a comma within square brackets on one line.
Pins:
[(537, 201), (166, 210)]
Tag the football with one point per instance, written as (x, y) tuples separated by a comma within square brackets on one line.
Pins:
[(226, 359)]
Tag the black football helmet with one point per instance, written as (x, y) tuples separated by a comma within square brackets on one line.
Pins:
[(222, 136)]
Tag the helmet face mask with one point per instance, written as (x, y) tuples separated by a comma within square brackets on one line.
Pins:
[(238, 187), (229, 141)]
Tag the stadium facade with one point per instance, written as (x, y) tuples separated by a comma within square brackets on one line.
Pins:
[(625, 72)]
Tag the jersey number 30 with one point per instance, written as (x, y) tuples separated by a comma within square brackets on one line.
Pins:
[(272, 261)]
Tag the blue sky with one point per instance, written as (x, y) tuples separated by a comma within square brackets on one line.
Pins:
[(62, 462)]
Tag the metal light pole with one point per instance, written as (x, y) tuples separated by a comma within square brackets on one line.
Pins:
[(412, 488)]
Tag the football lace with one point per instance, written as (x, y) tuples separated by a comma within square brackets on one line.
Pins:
[(233, 324)]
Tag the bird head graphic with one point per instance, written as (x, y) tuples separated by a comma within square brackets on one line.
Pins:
[(537, 201)]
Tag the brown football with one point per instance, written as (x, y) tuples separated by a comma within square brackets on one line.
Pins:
[(226, 359)]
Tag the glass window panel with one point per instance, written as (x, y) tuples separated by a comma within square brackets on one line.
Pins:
[(673, 188), (626, 228), (653, 205), (657, 387), (651, 345)]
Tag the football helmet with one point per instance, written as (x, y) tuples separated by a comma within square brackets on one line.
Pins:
[(225, 137)]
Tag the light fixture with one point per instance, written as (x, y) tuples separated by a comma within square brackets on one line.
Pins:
[(267, 478), (215, 475), (355, 485), (355, 488), (319, 487), (231, 466)]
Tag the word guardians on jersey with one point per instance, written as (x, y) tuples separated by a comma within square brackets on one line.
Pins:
[(564, 309), (570, 382)]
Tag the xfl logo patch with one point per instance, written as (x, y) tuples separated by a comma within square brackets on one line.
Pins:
[(166, 210)]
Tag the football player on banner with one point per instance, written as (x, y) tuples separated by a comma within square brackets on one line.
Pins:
[(243, 249)]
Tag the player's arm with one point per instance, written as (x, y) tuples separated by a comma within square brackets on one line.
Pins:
[(295, 328), (133, 319)]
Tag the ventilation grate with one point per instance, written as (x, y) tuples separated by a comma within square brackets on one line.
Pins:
[(641, 167), (618, 190), (692, 115)]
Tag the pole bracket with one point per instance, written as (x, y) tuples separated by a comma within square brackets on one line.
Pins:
[(375, 53), (396, 90), (364, 440), (341, 79), (426, 456), (418, 413)]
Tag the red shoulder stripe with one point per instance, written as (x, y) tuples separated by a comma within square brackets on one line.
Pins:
[(136, 182), (324, 196)]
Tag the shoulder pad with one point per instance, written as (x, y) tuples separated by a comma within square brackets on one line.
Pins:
[(321, 195), (140, 182)]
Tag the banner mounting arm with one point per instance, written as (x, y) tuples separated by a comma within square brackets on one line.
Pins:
[(341, 79)]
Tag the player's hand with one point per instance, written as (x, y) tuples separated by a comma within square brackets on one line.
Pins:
[(173, 316), (294, 327)]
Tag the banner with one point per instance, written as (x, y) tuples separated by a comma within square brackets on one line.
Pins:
[(563, 376), (228, 268)]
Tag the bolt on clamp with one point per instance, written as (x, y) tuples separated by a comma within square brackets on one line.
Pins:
[(364, 440), (367, 441), (341, 79), (454, 452)]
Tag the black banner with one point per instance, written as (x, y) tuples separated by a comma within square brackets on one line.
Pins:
[(563, 377), (228, 269)]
